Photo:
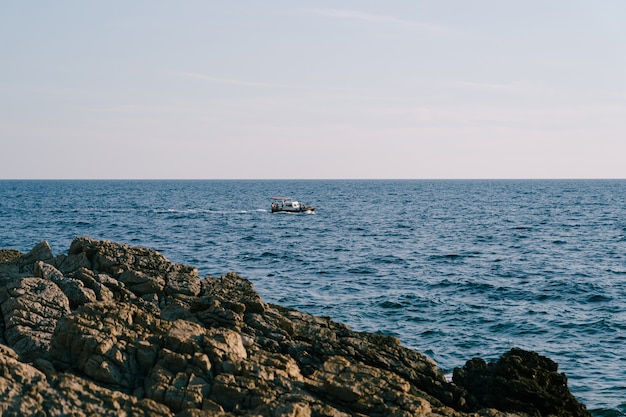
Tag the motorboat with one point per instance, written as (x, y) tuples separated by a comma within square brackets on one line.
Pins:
[(289, 205)]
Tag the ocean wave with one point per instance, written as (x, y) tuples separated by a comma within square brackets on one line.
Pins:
[(464, 268), (208, 211)]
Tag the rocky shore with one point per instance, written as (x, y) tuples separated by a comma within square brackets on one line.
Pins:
[(114, 330)]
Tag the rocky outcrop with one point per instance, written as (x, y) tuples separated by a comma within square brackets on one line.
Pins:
[(38, 389), (7, 255), (110, 329), (518, 381)]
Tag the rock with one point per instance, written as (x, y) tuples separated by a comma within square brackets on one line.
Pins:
[(30, 310), (142, 271), (115, 330), (46, 271), (520, 381), (41, 252), (366, 389), (234, 287), (74, 262), (17, 379), (226, 300), (114, 258), (74, 289), (8, 255), (182, 280), (95, 283), (141, 283), (293, 410), (14, 266), (107, 342), (26, 391)]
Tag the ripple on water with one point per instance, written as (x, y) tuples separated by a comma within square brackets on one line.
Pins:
[(459, 269)]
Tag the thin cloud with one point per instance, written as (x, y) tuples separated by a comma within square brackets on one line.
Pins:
[(232, 81), (356, 15), (535, 89), (247, 83), (517, 87), (375, 18)]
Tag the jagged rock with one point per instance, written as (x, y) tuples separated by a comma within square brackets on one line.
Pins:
[(367, 390), (30, 309), (182, 280), (234, 287), (8, 255), (115, 330), (110, 343), (14, 264), (26, 391), (141, 283), (41, 252), (226, 300), (74, 289), (46, 271), (95, 283), (17, 265), (143, 271), (68, 264), (182, 374), (519, 381), (114, 258)]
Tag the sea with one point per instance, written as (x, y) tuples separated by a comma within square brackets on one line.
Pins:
[(455, 269)]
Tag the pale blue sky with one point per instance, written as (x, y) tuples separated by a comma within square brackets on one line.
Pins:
[(324, 89)]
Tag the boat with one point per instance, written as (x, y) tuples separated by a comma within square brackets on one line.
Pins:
[(289, 205)]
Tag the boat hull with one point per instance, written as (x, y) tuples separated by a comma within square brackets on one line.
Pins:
[(288, 205), (300, 210)]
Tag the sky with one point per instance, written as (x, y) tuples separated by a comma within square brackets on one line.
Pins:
[(406, 89)]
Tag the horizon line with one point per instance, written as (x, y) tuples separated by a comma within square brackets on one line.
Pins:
[(328, 179)]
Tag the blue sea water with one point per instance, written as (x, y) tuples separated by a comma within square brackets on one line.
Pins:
[(455, 269)]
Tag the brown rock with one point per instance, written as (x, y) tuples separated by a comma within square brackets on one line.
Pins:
[(30, 309), (149, 337), (25, 391), (107, 342), (74, 289), (8, 255), (520, 381), (141, 283)]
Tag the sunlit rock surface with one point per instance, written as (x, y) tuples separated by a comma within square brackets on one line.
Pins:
[(111, 329)]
